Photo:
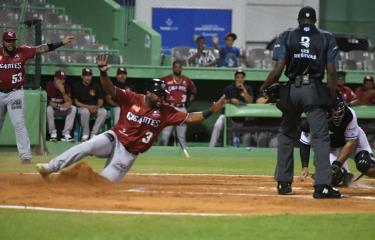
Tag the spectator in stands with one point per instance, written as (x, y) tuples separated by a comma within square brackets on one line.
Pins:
[(201, 56), (366, 92), (346, 92), (119, 82), (60, 104), (181, 93), (88, 97), (229, 55), (236, 93)]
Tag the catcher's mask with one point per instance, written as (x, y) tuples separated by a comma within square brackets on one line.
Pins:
[(338, 111)]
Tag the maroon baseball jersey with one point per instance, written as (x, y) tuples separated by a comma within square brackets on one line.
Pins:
[(139, 125), (178, 92), (53, 94), (12, 68)]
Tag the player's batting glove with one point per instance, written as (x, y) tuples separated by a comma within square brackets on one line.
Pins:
[(337, 174)]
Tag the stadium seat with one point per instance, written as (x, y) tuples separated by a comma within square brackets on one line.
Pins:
[(350, 65), (360, 55), (369, 65)]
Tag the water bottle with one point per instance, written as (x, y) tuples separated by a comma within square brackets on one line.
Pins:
[(75, 136), (236, 141)]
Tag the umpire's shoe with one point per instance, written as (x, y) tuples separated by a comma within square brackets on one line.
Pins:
[(284, 188), (326, 191)]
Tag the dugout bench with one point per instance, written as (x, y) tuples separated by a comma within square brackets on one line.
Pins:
[(266, 117)]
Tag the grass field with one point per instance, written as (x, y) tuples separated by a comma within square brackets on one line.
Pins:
[(27, 224)]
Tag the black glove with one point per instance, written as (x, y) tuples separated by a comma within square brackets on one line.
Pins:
[(272, 92), (337, 174)]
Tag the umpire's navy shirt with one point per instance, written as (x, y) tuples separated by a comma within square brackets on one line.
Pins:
[(307, 50)]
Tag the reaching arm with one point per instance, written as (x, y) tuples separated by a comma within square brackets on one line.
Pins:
[(346, 150), (275, 74), (331, 78), (102, 61), (197, 117), (48, 47)]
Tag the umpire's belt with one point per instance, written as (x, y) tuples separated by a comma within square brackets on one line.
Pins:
[(304, 80), (9, 90)]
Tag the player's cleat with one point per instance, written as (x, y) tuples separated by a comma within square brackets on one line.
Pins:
[(92, 136), (53, 137), (67, 138), (326, 191), (26, 161), (187, 155), (43, 169), (85, 138), (284, 188)]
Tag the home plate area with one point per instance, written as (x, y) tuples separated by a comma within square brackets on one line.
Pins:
[(81, 188)]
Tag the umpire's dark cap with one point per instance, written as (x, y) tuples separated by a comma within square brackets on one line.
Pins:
[(157, 86), (232, 35), (307, 13)]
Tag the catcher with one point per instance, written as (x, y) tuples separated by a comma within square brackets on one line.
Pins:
[(348, 140), (142, 117)]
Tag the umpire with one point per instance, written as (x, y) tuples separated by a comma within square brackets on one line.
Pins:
[(305, 51)]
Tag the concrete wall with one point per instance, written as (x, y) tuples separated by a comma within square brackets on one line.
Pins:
[(253, 20)]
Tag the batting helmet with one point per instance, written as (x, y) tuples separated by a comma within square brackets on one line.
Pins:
[(157, 86)]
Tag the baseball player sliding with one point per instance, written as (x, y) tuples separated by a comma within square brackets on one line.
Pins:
[(12, 79), (142, 117)]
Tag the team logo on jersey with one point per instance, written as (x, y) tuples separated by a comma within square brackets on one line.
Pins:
[(305, 41), (92, 92), (136, 108), (156, 114)]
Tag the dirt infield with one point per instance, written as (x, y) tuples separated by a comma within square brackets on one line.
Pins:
[(82, 188)]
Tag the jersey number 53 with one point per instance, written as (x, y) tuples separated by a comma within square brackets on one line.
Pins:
[(16, 78)]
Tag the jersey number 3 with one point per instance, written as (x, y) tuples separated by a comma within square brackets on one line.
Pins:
[(148, 137), (16, 78)]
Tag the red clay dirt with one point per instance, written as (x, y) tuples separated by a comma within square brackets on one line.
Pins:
[(81, 188)]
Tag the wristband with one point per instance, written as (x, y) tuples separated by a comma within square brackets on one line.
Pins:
[(53, 46), (102, 73), (207, 114)]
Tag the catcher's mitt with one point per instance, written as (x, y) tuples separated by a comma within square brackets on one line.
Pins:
[(337, 174), (272, 92)]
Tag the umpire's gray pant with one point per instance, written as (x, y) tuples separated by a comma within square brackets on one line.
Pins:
[(70, 114), (303, 98), (180, 131), (85, 114), (14, 103)]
